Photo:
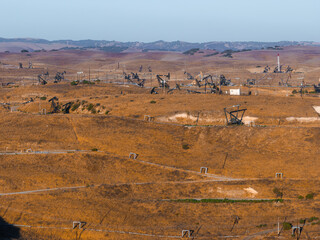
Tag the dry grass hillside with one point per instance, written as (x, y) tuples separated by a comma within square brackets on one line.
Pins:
[(66, 166)]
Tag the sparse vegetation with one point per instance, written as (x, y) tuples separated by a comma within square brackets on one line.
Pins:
[(287, 226), (185, 146), (87, 82), (191, 51), (90, 107), (262, 226), (310, 196), (212, 200), (74, 83), (75, 106), (212, 54), (277, 192), (312, 219), (113, 49), (228, 55), (164, 186)]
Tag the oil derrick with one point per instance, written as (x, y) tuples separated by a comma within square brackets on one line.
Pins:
[(251, 81), (189, 76), (198, 79), (153, 90), (66, 107), (43, 78), (163, 83), (316, 88), (141, 82), (141, 68), (134, 78), (30, 65), (234, 115), (224, 81), (266, 69), (134, 75), (127, 76), (20, 66), (175, 88), (277, 69), (149, 69), (289, 69), (59, 76), (210, 83), (138, 80), (54, 105)]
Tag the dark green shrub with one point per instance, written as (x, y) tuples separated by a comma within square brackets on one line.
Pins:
[(152, 101), (75, 106), (300, 197), (74, 83), (312, 219), (107, 112), (287, 226), (90, 107), (191, 51), (185, 146), (94, 149), (261, 225), (87, 82), (310, 196), (43, 98)]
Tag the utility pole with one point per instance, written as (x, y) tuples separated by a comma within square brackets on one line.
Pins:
[(89, 75)]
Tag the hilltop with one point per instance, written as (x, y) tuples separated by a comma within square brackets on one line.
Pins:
[(31, 44)]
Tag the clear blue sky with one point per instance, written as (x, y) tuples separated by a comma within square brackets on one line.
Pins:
[(170, 20)]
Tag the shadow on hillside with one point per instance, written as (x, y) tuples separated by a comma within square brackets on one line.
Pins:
[(8, 231)]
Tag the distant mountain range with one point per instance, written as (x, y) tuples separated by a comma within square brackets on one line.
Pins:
[(30, 44)]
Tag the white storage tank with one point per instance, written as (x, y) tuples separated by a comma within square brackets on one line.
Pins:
[(235, 92)]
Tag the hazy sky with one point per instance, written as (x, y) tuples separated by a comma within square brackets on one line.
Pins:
[(170, 20)]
